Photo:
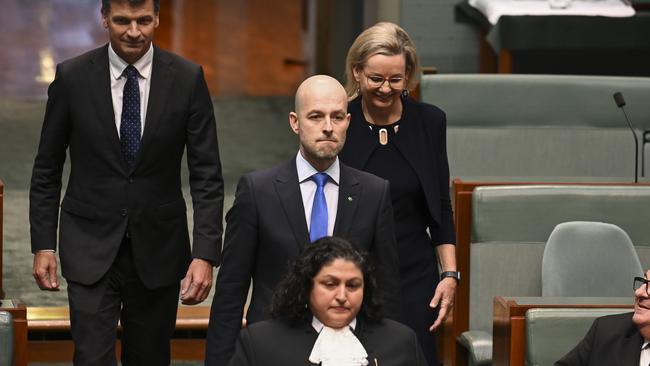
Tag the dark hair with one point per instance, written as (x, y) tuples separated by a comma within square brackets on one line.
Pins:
[(291, 296), (106, 4)]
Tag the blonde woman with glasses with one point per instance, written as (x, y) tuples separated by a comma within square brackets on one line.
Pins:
[(404, 141)]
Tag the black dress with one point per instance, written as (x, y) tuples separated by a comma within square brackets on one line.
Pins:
[(400, 161)]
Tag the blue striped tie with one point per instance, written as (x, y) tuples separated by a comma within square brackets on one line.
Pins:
[(130, 124), (318, 223)]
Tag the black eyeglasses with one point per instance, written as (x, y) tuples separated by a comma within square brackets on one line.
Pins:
[(394, 82), (640, 281)]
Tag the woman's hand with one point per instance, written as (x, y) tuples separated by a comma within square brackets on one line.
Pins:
[(444, 296)]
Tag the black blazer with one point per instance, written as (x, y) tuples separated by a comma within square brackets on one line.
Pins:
[(104, 198), (612, 340), (266, 228), (423, 142), (274, 342)]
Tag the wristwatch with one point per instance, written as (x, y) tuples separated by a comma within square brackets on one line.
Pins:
[(452, 274)]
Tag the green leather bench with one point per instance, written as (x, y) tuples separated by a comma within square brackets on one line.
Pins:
[(6, 339), (539, 125), (552, 332), (510, 226)]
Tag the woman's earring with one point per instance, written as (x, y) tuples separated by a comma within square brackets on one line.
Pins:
[(405, 93)]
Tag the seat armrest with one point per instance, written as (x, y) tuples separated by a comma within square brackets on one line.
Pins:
[(478, 345)]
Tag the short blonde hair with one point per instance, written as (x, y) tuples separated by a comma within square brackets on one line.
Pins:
[(383, 38)]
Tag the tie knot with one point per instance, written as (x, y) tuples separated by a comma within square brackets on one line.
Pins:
[(130, 71), (320, 179)]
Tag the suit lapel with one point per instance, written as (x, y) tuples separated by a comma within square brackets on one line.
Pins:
[(99, 79), (349, 195), (288, 189), (162, 76), (362, 331), (630, 347)]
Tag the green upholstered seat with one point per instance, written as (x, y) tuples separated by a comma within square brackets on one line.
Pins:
[(6, 339), (551, 333), (510, 226), (584, 258), (539, 125)]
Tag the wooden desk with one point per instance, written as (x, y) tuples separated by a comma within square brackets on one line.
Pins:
[(19, 313), (56, 320), (509, 339), (561, 44), (462, 192)]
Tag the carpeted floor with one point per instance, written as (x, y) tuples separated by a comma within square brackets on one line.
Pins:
[(253, 133)]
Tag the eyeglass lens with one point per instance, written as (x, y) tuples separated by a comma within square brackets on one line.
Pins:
[(640, 281)]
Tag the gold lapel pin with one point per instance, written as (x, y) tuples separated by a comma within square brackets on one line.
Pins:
[(350, 199)]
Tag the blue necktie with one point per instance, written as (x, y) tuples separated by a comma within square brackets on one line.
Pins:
[(318, 224), (130, 124)]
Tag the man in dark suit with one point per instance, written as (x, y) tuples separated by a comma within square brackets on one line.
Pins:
[(278, 211), (126, 112), (617, 339)]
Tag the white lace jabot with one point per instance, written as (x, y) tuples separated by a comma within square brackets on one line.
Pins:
[(337, 347)]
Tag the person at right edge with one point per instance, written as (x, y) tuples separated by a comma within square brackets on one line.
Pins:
[(404, 141)]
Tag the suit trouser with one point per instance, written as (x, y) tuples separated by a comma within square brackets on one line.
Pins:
[(147, 316)]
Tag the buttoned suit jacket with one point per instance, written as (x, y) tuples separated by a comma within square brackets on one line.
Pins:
[(266, 228), (612, 340), (105, 198), (274, 342)]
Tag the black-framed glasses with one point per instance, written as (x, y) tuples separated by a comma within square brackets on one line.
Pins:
[(640, 281), (394, 82)]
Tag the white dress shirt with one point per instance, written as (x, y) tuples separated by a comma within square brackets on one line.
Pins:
[(644, 360), (318, 326), (308, 189), (117, 67)]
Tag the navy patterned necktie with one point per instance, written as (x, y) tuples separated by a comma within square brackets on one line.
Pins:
[(318, 223), (130, 124)]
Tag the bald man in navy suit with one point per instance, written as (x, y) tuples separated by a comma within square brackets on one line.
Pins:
[(271, 219)]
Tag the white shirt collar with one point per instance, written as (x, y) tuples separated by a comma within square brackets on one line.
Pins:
[(645, 343), (318, 326), (306, 170), (117, 64)]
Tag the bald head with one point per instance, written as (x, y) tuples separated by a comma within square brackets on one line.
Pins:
[(319, 86), (321, 120)]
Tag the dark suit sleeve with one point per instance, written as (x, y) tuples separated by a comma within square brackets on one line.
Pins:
[(206, 182), (243, 351), (580, 354), (234, 276), (446, 234), (45, 188), (384, 254)]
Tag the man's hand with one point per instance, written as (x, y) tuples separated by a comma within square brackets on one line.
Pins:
[(197, 282), (445, 295), (44, 270)]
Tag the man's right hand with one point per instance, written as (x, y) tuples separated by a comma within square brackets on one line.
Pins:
[(44, 270)]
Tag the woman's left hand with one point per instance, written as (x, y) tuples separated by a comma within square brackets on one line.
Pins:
[(444, 296)]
